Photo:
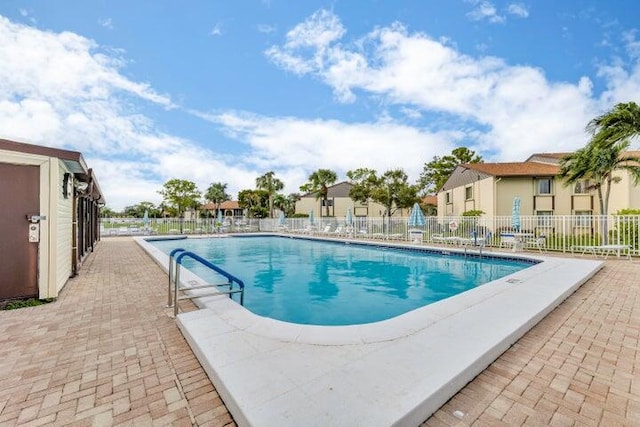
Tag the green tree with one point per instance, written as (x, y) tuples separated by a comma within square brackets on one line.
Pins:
[(138, 210), (181, 195), (438, 170), (596, 165), (167, 211), (622, 123), (271, 185), (287, 204), (106, 212), (256, 202), (391, 189), (217, 194), (318, 184)]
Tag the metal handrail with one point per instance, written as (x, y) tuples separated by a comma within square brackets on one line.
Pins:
[(172, 273), (175, 279)]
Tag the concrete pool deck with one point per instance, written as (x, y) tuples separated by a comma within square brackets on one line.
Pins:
[(95, 357), (394, 372)]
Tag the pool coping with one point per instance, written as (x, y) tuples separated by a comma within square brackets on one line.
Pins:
[(270, 372)]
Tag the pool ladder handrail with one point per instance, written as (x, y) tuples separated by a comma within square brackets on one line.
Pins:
[(175, 263)]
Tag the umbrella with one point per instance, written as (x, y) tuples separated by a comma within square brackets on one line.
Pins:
[(281, 219), (220, 217), (311, 217), (416, 217), (515, 215), (349, 218), (145, 218)]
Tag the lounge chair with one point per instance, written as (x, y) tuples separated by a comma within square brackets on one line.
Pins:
[(508, 240), (538, 242), (604, 250), (325, 230), (337, 232)]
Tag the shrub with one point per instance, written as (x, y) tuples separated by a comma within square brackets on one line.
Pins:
[(31, 302)]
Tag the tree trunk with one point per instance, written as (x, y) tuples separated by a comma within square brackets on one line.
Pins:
[(603, 217)]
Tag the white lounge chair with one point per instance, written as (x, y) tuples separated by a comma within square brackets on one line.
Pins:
[(604, 250), (337, 232), (508, 240), (537, 242), (325, 230)]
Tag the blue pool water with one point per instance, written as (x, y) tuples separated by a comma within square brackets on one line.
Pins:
[(328, 283)]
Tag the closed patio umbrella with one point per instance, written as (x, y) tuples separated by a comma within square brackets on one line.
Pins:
[(281, 219), (219, 220), (145, 218), (349, 217), (416, 219), (311, 217), (515, 214)]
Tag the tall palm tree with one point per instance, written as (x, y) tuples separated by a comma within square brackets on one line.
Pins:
[(597, 164), (271, 185), (319, 183), (217, 194), (622, 123)]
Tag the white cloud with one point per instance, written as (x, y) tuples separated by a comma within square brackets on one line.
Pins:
[(106, 23), (411, 113), (27, 14), (266, 29), (296, 146), (485, 10), (632, 44), (216, 30), (516, 106), (317, 32), (59, 89), (518, 9)]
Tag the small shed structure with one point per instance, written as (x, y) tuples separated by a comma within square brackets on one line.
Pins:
[(49, 218)]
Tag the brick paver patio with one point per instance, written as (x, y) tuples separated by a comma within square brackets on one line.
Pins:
[(106, 353)]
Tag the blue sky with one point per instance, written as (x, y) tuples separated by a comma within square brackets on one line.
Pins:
[(214, 91)]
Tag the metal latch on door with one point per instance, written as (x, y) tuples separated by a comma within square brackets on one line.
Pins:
[(34, 227)]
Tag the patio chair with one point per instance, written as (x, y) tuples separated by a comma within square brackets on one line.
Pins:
[(508, 240), (538, 242), (325, 230), (337, 232)]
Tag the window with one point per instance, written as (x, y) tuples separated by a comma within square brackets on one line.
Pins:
[(447, 197), (544, 218), (468, 193), (583, 218), (581, 187), (543, 185)]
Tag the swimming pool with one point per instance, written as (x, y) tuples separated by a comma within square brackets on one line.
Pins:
[(394, 372), (329, 283)]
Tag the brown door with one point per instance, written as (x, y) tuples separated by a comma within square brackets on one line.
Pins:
[(19, 196)]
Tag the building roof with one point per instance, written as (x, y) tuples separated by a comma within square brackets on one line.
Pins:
[(73, 160), (547, 155), (430, 200), (514, 169), (229, 204), (340, 189)]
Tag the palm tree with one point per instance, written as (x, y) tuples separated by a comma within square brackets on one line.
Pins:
[(271, 185), (217, 194), (597, 164), (319, 183), (622, 123), (287, 204)]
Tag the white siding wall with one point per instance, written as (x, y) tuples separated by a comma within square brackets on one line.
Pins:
[(64, 232)]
